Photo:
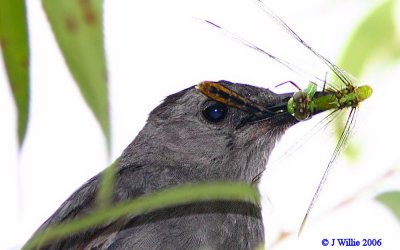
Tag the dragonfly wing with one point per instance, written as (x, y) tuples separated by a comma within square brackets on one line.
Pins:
[(348, 128)]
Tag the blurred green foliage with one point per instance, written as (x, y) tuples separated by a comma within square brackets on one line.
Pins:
[(14, 44), (78, 28), (392, 201), (376, 34)]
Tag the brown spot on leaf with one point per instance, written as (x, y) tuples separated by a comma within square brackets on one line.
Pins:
[(89, 15), (3, 42), (24, 62), (71, 24)]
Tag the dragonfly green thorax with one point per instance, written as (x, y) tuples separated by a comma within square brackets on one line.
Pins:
[(306, 103)]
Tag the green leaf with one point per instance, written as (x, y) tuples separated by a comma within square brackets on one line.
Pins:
[(375, 34), (78, 28), (14, 44), (106, 189), (392, 201), (166, 198)]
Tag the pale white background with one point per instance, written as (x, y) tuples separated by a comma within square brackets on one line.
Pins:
[(156, 48)]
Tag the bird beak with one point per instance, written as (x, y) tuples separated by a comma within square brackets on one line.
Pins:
[(277, 112), (281, 105)]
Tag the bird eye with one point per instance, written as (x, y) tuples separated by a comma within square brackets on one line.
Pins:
[(215, 112)]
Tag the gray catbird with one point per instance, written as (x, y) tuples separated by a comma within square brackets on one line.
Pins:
[(189, 138)]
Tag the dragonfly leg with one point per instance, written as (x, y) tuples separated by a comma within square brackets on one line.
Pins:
[(323, 89), (291, 82)]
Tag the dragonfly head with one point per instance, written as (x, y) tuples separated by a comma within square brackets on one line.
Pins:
[(363, 92), (300, 106)]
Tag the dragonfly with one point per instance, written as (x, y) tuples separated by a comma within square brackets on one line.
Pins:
[(343, 93)]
